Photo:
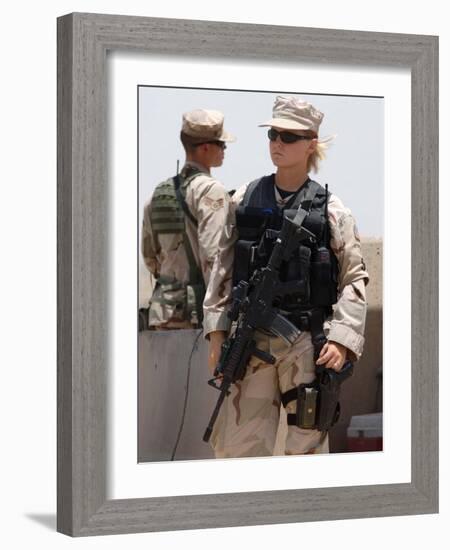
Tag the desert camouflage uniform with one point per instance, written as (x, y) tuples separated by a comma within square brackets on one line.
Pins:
[(248, 421), (165, 256)]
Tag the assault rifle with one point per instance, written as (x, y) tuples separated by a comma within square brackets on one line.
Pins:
[(252, 308)]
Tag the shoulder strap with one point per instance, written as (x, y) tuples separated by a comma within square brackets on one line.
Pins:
[(195, 274), (249, 191), (196, 281), (305, 199), (182, 201)]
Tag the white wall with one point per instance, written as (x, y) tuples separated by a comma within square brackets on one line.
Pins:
[(28, 274)]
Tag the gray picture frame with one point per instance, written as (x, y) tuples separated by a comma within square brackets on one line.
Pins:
[(83, 199)]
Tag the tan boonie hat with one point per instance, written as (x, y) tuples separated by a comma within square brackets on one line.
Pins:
[(203, 125), (291, 113)]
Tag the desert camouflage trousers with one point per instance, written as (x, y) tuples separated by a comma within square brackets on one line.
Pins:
[(248, 420)]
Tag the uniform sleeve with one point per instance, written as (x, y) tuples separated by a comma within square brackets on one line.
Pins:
[(149, 247), (347, 324), (218, 292), (211, 215)]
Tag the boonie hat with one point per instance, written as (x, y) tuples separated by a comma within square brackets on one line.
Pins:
[(203, 125), (291, 113)]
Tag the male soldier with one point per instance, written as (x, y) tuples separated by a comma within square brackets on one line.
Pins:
[(182, 225), (331, 305)]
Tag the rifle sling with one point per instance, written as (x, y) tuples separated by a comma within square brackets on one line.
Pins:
[(195, 274), (182, 201)]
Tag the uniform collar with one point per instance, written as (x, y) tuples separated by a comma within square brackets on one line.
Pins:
[(289, 198), (280, 200), (192, 164)]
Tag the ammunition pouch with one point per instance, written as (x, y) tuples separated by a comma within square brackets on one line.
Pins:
[(307, 407), (313, 268), (250, 255), (181, 302)]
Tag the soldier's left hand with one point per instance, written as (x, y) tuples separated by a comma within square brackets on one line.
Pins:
[(333, 356)]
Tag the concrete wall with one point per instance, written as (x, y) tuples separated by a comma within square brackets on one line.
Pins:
[(362, 393), (175, 402)]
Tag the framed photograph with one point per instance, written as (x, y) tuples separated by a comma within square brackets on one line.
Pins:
[(174, 398), (104, 63)]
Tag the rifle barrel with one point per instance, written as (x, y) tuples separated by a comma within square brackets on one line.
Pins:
[(212, 421)]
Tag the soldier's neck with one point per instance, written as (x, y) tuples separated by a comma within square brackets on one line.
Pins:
[(290, 179), (193, 162)]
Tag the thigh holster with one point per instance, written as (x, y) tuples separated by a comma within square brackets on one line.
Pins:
[(317, 403), (306, 396)]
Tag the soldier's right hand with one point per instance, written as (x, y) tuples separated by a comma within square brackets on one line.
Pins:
[(216, 339)]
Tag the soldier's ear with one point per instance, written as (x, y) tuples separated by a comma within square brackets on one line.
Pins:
[(204, 147), (200, 150), (313, 145)]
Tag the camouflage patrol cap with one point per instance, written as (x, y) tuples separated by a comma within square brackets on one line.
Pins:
[(203, 125), (292, 113)]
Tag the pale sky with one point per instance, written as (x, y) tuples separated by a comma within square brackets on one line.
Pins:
[(353, 169)]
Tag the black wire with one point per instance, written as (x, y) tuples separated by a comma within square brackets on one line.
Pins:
[(194, 346)]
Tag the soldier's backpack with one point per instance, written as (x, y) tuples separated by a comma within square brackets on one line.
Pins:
[(168, 216)]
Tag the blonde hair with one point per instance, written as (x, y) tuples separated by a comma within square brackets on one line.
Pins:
[(319, 153)]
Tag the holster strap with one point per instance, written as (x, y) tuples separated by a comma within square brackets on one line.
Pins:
[(289, 396)]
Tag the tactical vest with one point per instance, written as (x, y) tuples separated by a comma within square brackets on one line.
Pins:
[(258, 221), (167, 216)]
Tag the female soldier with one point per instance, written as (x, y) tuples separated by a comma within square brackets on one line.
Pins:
[(248, 420)]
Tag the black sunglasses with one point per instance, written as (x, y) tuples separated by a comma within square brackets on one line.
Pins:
[(286, 137), (220, 144)]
